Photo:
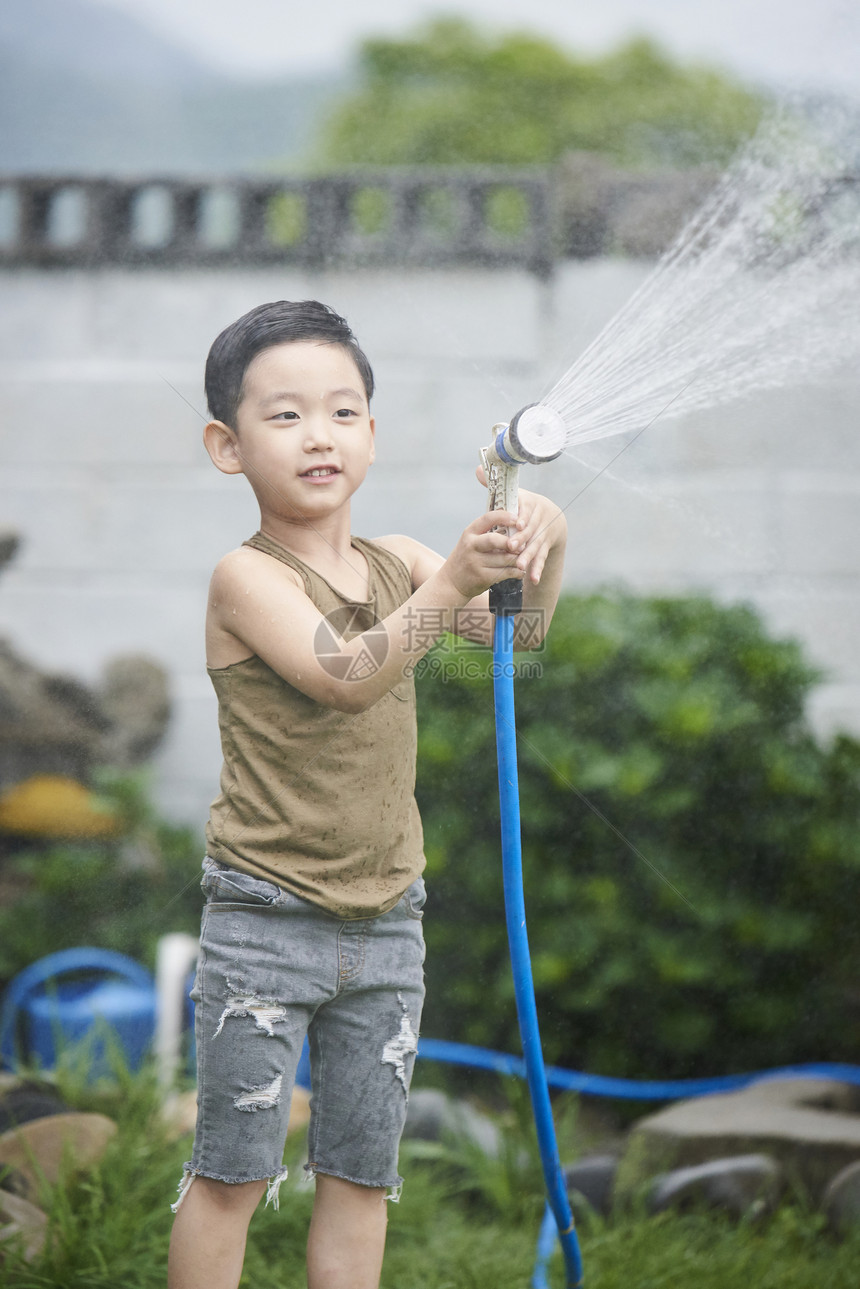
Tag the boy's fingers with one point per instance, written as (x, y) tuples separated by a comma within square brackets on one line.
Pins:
[(494, 541), (508, 570), (537, 568), (495, 519)]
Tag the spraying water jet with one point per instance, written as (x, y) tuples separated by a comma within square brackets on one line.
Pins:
[(761, 289)]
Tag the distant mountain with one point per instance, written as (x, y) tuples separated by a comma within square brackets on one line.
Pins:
[(86, 89), (92, 41)]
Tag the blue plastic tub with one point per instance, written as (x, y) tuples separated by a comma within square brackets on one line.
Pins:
[(89, 997)]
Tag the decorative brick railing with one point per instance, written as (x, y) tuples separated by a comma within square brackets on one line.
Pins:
[(414, 217)]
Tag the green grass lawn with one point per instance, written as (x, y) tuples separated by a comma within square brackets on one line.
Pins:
[(463, 1222)]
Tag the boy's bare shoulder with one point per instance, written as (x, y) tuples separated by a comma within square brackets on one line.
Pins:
[(232, 568), (245, 565)]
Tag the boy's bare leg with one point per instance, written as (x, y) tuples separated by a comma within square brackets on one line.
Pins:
[(347, 1235), (207, 1245)]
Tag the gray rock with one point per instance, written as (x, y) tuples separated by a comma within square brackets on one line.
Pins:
[(23, 1222), (745, 1185), (433, 1116), (426, 1114), (46, 727), (841, 1203), (54, 724), (804, 1093), (9, 542), (135, 702), (26, 1100), (592, 1179), (806, 1125)]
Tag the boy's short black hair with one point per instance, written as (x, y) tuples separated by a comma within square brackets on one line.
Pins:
[(277, 323)]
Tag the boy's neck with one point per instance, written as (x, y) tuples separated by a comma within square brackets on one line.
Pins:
[(321, 543)]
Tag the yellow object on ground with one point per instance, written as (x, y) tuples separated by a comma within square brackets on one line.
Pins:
[(52, 805)]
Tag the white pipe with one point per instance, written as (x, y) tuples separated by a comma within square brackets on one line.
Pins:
[(175, 956)]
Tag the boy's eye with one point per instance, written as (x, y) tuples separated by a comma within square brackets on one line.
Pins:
[(285, 416), (344, 412)]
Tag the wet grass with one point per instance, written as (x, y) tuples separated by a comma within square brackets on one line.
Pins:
[(464, 1222)]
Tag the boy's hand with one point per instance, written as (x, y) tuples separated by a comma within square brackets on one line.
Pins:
[(543, 528), (484, 555), (541, 525)]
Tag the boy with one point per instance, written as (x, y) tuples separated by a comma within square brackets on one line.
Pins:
[(313, 874)]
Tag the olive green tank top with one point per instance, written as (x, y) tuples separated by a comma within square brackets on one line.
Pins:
[(319, 801)]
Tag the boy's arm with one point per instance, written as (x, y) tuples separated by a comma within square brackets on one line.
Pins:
[(256, 601), (540, 563)]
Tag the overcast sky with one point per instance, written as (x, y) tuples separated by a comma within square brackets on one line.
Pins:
[(800, 42)]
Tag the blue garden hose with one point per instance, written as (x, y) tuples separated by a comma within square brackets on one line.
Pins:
[(509, 802), (602, 1085), (558, 1218)]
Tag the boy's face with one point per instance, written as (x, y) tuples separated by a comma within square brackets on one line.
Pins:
[(304, 435)]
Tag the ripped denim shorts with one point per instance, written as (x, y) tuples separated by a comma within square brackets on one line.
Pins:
[(273, 968)]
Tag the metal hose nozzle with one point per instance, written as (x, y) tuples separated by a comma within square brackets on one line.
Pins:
[(536, 434)]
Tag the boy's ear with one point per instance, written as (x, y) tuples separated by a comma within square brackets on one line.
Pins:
[(372, 440), (223, 447)]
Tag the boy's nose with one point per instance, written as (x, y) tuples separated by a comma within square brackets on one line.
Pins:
[(318, 433)]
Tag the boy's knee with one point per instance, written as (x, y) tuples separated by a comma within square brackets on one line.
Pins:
[(339, 1190), (230, 1196)]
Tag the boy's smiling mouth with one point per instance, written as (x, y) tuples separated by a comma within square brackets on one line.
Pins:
[(320, 472)]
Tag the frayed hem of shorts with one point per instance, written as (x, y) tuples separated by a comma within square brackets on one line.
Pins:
[(272, 1193), (394, 1189)]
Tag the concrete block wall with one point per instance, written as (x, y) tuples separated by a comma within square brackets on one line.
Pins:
[(122, 516)]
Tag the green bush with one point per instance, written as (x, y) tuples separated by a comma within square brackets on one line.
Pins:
[(121, 895), (691, 851)]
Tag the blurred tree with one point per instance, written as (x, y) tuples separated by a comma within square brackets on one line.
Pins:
[(450, 95)]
